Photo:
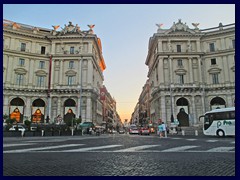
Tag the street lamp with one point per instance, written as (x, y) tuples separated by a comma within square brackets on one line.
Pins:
[(172, 117), (171, 96)]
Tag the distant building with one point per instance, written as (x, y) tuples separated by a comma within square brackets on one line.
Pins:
[(50, 73), (191, 71)]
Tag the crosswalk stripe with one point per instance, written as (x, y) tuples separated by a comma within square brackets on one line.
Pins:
[(181, 148), (41, 148), (91, 148), (191, 139), (137, 148), (220, 149), (211, 140), (14, 145)]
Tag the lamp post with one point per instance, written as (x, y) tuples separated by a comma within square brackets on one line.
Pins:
[(172, 117), (171, 96)]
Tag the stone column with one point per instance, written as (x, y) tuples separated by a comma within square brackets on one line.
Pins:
[(160, 46), (12, 44), (160, 70), (31, 69), (229, 101), (89, 109), (163, 110), (190, 70), (53, 74), (59, 110), (198, 46), (5, 104), (200, 70), (61, 72), (194, 110), (90, 74), (226, 70), (33, 47), (170, 70), (28, 108), (10, 72)]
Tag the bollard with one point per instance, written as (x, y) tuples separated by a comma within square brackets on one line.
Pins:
[(72, 132), (196, 132), (42, 132), (22, 133), (165, 132), (183, 132)]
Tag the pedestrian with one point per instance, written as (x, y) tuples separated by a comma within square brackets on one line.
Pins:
[(160, 130), (164, 130)]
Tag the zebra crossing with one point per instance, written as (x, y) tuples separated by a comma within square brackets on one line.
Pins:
[(113, 148)]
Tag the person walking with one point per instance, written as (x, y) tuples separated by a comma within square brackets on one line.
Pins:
[(164, 130), (160, 130)]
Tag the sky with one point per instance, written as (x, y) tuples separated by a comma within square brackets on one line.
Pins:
[(124, 31)]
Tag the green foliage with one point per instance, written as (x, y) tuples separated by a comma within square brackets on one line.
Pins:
[(70, 122), (28, 123)]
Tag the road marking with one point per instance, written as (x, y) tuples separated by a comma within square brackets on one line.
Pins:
[(13, 145), (177, 149), (221, 149), (232, 142), (211, 140), (41, 148), (191, 139), (90, 148), (137, 148), (176, 138)]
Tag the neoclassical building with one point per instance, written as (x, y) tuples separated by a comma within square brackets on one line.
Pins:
[(50, 73), (191, 71)]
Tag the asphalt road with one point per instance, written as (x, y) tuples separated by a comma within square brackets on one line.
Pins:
[(119, 155)]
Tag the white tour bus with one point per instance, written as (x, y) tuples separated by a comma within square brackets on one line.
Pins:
[(219, 122)]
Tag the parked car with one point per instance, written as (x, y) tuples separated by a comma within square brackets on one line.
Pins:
[(85, 125), (133, 130), (20, 128), (144, 130), (121, 131)]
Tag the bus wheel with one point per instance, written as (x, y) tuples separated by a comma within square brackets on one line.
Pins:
[(220, 133)]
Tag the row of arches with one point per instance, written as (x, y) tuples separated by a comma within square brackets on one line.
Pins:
[(183, 108), (16, 110)]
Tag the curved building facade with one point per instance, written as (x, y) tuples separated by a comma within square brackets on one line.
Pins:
[(50, 75), (191, 71)]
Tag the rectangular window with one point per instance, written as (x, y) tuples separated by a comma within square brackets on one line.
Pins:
[(233, 43), (21, 62), (43, 50), (213, 61), (19, 79), (211, 47), (71, 64), (215, 78), (23, 46), (41, 65), (180, 62), (181, 79), (40, 81), (179, 48), (70, 80), (71, 50)]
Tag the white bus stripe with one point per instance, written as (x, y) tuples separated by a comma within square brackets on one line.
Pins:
[(220, 149), (41, 148), (137, 148), (181, 148)]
